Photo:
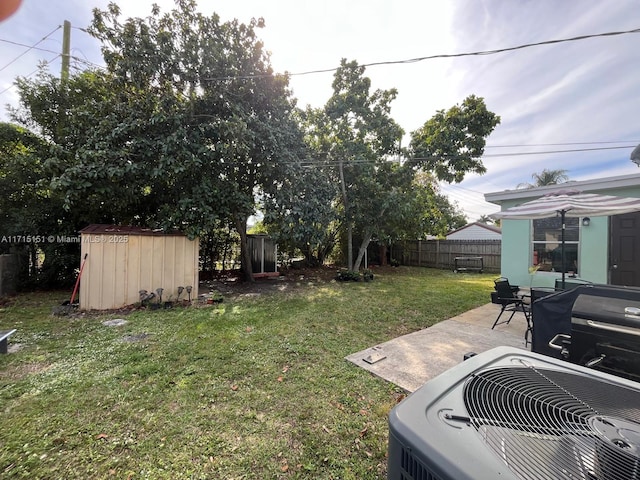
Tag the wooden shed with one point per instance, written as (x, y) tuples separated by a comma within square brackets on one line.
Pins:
[(121, 261)]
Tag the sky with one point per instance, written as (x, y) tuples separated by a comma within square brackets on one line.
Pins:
[(569, 105)]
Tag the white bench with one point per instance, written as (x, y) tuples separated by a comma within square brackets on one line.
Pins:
[(4, 335)]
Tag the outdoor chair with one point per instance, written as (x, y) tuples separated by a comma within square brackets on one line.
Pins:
[(507, 296)]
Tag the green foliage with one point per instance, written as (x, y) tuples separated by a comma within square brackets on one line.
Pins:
[(348, 276), (301, 215), (451, 143), (189, 125), (351, 139), (546, 177), (434, 213), (183, 129), (31, 212)]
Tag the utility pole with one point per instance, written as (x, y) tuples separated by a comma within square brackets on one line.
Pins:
[(66, 51), (64, 74)]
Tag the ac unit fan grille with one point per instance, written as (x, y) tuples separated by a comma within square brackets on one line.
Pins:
[(549, 424)]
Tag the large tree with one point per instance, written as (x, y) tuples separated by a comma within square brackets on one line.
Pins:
[(353, 137), (451, 143), (380, 196), (194, 123)]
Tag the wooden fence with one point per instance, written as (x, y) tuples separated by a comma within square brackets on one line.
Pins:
[(442, 253), (8, 274)]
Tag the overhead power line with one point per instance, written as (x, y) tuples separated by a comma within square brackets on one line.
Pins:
[(559, 144), (391, 62), (28, 46), (445, 55), (32, 47), (47, 62), (512, 154), (78, 59), (490, 155)]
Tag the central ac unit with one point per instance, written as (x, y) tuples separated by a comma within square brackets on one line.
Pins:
[(511, 414)]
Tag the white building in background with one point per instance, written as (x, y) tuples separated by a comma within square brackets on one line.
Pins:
[(476, 231)]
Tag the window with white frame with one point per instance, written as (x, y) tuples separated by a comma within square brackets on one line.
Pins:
[(546, 244)]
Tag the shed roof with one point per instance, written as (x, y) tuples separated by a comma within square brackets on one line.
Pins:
[(102, 229)]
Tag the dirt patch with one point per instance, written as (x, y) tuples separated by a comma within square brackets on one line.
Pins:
[(230, 284), (18, 372)]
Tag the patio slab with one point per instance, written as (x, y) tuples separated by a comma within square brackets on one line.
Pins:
[(409, 361)]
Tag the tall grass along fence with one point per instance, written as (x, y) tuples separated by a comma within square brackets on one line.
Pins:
[(442, 253)]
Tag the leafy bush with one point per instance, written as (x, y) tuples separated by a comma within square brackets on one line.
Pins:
[(348, 276)]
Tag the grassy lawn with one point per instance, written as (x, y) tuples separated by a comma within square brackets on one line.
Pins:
[(254, 388)]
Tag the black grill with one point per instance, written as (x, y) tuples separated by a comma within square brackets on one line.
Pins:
[(549, 424), (600, 327)]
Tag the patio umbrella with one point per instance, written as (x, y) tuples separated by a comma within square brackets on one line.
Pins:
[(570, 203)]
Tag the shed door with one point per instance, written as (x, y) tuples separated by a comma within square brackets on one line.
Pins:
[(625, 249)]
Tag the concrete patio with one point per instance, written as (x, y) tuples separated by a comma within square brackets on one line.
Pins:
[(409, 361)]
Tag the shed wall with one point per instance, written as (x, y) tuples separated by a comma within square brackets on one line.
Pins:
[(119, 266)]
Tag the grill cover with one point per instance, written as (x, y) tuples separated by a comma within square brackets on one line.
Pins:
[(552, 315)]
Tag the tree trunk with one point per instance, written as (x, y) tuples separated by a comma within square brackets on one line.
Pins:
[(245, 254), (383, 255), (363, 248), (350, 247), (345, 203)]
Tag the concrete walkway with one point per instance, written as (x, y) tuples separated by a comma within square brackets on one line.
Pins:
[(409, 361)]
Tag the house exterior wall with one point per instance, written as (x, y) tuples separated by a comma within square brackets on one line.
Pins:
[(119, 265), (594, 250), (515, 260)]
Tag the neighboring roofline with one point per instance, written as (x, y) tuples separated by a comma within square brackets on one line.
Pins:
[(479, 224), (593, 185)]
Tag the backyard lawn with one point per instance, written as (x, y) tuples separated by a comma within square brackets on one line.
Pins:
[(256, 387)]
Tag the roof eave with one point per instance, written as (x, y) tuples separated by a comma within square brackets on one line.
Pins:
[(592, 185)]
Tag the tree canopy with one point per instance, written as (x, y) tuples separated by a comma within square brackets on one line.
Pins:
[(189, 128), (188, 122), (380, 190)]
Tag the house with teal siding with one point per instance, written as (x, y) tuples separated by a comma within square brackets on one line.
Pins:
[(597, 249)]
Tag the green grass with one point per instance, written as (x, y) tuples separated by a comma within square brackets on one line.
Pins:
[(253, 388)]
